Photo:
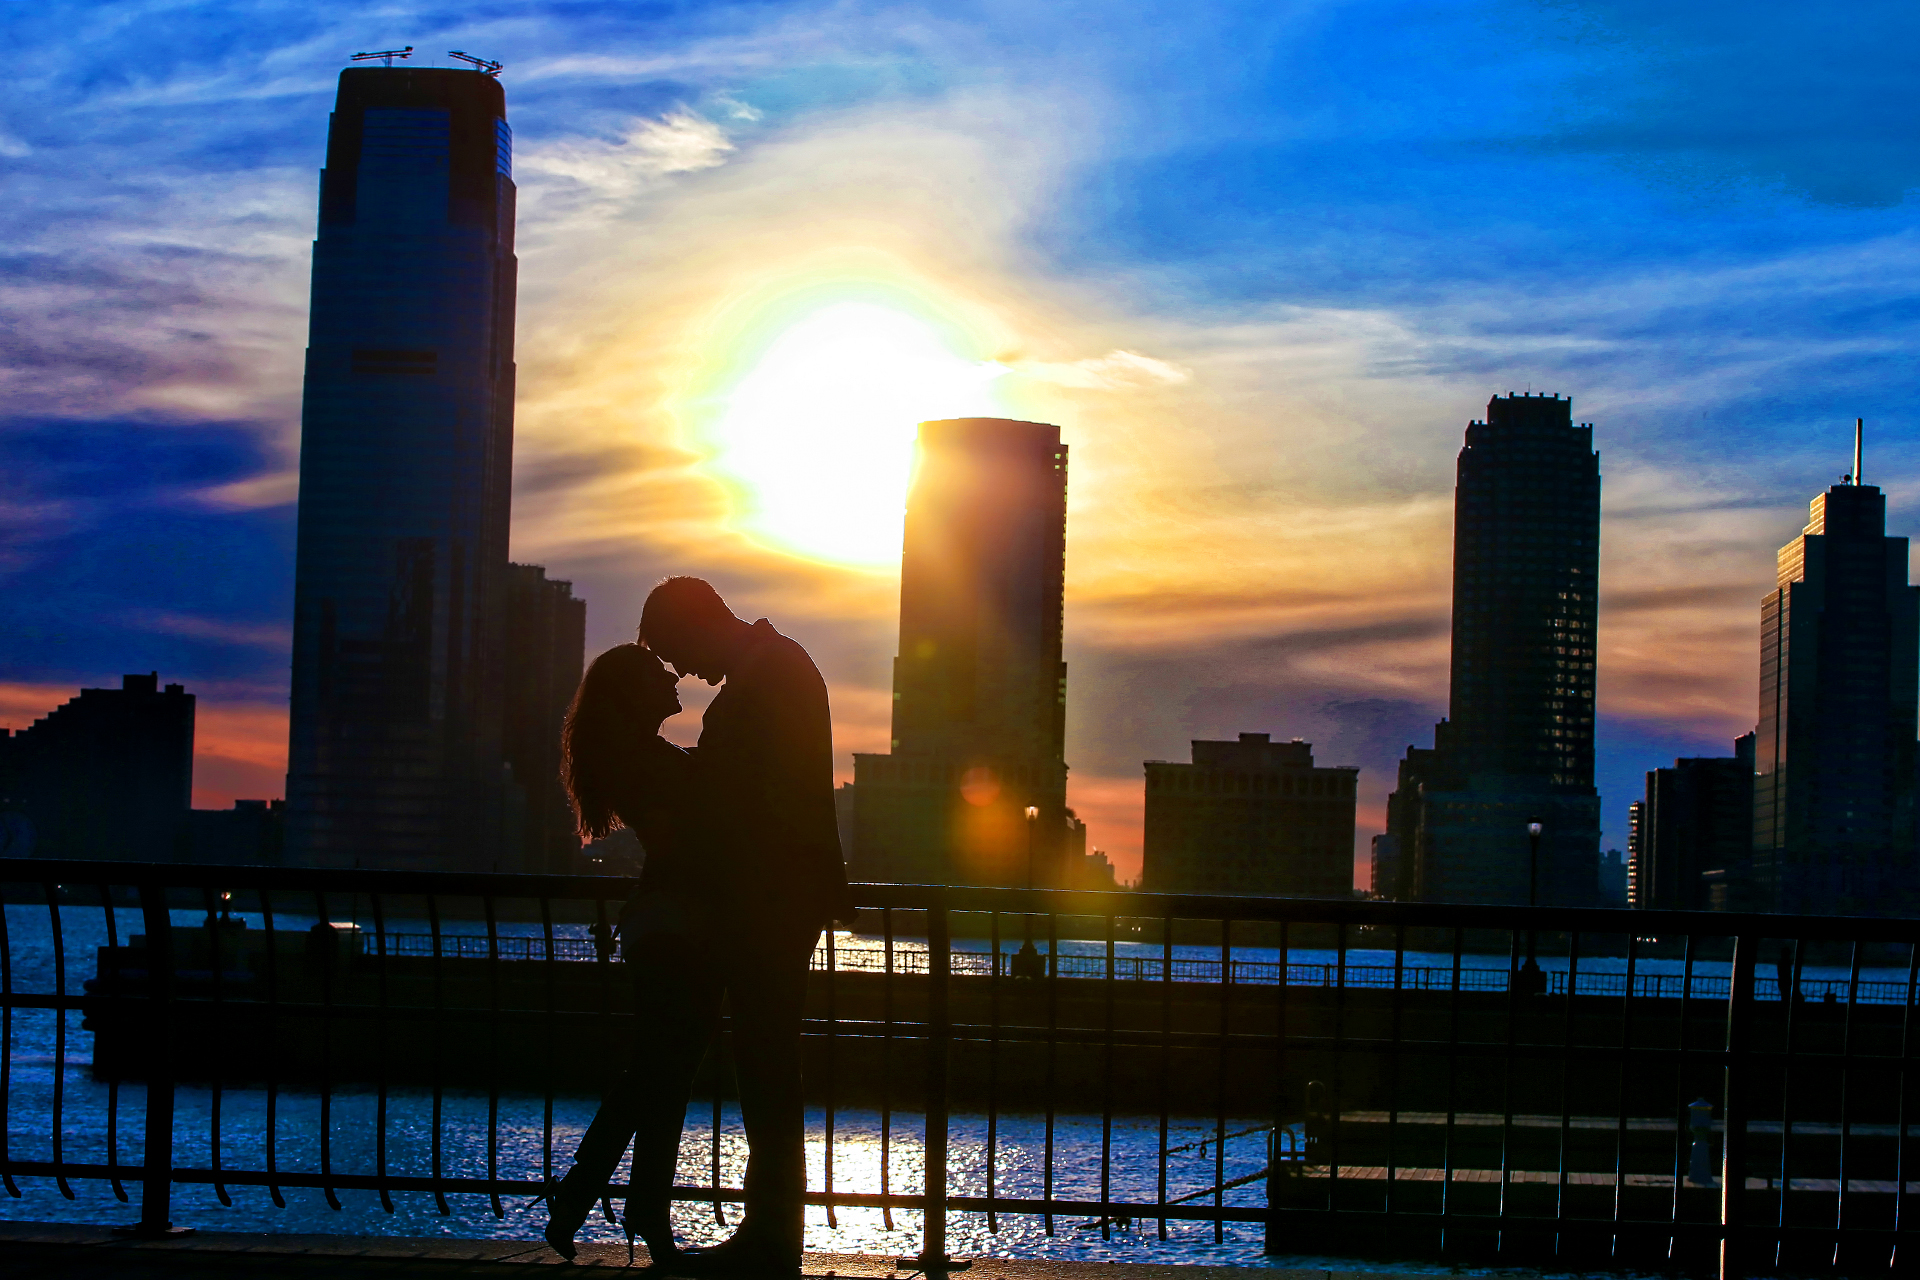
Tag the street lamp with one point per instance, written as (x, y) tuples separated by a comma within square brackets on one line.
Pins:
[(1026, 961), (1530, 980), (1533, 863)]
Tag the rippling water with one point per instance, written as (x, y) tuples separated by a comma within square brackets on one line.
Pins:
[(34, 1091)]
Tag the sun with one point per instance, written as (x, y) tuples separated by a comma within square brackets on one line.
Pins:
[(816, 435)]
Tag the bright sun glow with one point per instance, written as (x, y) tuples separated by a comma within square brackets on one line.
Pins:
[(818, 434)]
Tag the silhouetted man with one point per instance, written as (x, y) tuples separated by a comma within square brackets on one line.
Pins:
[(765, 774)]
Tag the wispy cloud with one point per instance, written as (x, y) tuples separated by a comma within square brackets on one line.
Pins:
[(646, 150), (277, 637), (1115, 371)]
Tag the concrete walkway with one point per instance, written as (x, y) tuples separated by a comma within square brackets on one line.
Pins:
[(57, 1251)]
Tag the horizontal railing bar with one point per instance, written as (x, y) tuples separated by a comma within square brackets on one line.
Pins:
[(699, 1194), (909, 1032), (1127, 905)]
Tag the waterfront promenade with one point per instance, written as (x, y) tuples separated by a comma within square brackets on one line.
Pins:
[(44, 1251)]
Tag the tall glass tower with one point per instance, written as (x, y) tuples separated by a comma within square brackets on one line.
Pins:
[(1834, 821), (395, 758), (1518, 748), (1526, 558), (975, 788)]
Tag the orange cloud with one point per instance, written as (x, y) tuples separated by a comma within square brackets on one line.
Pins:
[(239, 753)]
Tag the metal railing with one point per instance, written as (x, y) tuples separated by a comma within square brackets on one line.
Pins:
[(1581, 1087), (1432, 977)]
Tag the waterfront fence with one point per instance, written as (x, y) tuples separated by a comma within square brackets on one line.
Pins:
[(1626, 1089)]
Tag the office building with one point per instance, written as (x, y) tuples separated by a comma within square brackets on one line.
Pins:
[(1833, 818), (1383, 865), (546, 645), (1517, 747), (1636, 851), (1695, 830), (1393, 863), (251, 834), (1252, 816), (979, 686), (1613, 879), (395, 748), (108, 774)]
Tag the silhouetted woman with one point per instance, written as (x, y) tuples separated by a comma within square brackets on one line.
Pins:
[(619, 772)]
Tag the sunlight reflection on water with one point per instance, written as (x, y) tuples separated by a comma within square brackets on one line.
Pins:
[(857, 1168)]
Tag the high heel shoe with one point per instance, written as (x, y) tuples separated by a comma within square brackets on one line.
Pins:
[(560, 1240), (662, 1248), (559, 1235)]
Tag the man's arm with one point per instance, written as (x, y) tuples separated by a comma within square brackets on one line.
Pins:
[(795, 773)]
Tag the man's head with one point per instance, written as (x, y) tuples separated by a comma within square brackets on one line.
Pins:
[(687, 623)]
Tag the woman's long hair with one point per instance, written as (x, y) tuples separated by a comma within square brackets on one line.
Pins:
[(606, 725)]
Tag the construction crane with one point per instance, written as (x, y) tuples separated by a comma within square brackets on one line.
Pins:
[(483, 65), (385, 55)]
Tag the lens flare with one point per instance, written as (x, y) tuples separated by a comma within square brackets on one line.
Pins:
[(816, 438)]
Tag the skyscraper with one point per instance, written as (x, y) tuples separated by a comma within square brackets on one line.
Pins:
[(1695, 831), (1518, 745), (546, 645), (395, 752), (1834, 822), (979, 687)]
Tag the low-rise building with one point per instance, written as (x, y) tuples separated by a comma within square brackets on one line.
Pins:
[(1252, 816)]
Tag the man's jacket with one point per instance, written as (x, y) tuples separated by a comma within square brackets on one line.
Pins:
[(766, 764)]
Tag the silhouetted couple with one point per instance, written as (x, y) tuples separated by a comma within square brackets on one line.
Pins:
[(742, 872)]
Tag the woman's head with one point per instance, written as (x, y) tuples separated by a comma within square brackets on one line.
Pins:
[(621, 701)]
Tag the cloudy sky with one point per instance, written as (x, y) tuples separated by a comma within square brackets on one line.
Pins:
[(1261, 262)]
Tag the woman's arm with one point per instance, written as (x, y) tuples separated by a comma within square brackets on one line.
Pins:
[(649, 800)]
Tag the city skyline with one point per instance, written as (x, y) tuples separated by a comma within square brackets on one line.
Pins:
[(1262, 437)]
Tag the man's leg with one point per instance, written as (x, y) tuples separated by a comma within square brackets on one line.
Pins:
[(767, 989)]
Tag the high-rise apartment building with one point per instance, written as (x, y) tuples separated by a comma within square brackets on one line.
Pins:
[(1695, 830), (979, 686), (1636, 852), (108, 774), (395, 752), (1517, 748), (1834, 821), (546, 644), (1253, 816)]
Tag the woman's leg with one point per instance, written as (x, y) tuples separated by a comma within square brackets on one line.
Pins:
[(676, 1026), (676, 999)]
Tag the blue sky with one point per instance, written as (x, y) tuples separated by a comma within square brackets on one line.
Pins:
[(1322, 235)]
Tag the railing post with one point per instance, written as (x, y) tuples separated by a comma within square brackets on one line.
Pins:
[(933, 1229), (1733, 1145), (156, 1182)]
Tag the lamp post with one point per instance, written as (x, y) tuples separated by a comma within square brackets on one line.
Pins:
[(1026, 961), (1533, 863), (1530, 980)]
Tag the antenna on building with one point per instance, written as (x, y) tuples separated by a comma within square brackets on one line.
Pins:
[(1859, 429), (385, 55), (482, 65)]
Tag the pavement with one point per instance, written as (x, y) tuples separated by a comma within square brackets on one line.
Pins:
[(50, 1250)]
